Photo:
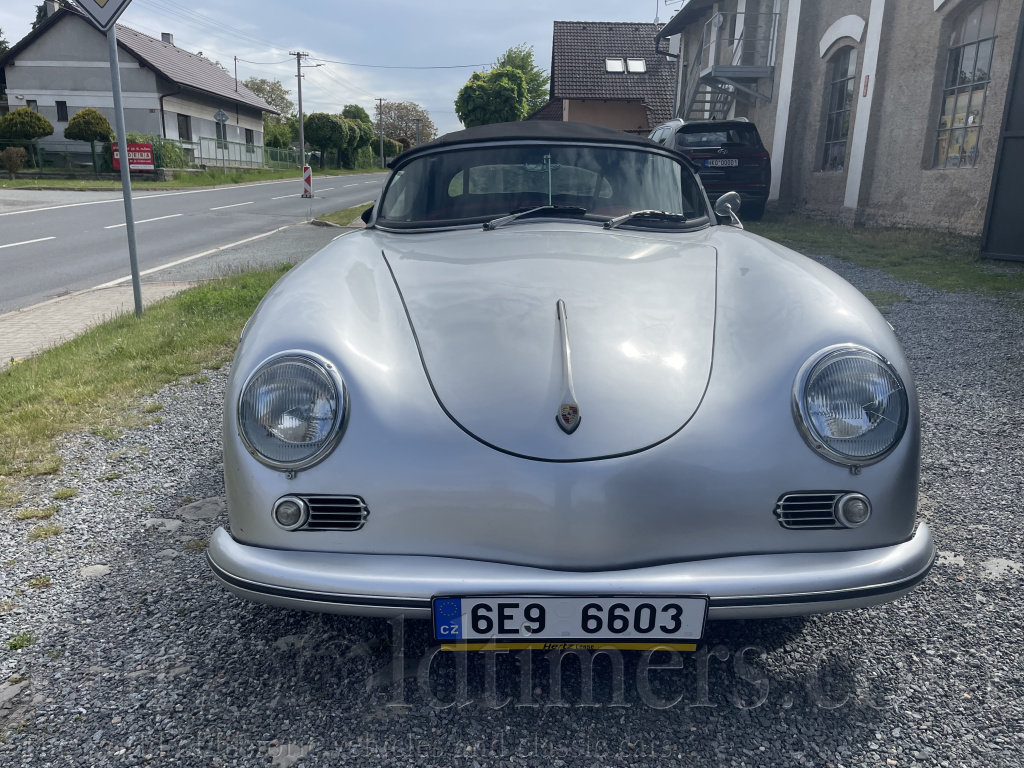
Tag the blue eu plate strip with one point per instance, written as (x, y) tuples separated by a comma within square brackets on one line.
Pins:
[(448, 618)]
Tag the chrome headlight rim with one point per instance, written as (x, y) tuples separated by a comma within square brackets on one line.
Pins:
[(803, 420), (338, 426)]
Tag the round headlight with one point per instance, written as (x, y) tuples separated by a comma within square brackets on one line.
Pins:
[(291, 410), (850, 405)]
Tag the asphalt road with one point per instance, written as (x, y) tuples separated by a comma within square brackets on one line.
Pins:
[(52, 244)]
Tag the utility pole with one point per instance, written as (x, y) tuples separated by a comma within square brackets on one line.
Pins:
[(298, 74), (380, 128), (418, 121), (236, 74)]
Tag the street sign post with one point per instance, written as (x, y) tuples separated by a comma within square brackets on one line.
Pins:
[(104, 14), (222, 117)]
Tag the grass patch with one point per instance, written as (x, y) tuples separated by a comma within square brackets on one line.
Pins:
[(22, 640), (941, 260), (95, 380), (152, 408), (37, 514), (7, 606), (344, 217), (45, 531), (111, 476), (195, 545), (209, 178), (884, 299), (40, 582), (65, 493), (8, 496)]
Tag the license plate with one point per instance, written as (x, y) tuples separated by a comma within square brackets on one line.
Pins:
[(625, 621), (721, 163)]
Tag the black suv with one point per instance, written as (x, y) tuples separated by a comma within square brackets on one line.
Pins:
[(729, 155)]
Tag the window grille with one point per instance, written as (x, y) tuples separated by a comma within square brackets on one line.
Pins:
[(842, 75)]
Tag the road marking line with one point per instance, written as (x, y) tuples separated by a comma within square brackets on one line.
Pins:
[(27, 242), (145, 221), (233, 205), (282, 197), (141, 195), (193, 257), (350, 185), (325, 189)]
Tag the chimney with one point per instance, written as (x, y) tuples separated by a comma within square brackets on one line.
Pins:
[(50, 6), (167, 37)]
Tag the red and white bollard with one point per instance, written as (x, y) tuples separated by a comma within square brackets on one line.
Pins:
[(307, 181)]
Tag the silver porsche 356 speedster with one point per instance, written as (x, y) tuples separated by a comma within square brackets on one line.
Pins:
[(550, 394)]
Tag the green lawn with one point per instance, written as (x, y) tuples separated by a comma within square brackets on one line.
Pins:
[(209, 178), (346, 216), (942, 260), (94, 381)]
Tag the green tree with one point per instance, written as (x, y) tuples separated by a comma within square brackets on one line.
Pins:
[(400, 118), (88, 124), (355, 112), (276, 134), (521, 57), (4, 45), (272, 92), (24, 124), (498, 96), (324, 132)]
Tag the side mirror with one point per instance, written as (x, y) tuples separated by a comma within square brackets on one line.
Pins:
[(727, 205), (367, 215)]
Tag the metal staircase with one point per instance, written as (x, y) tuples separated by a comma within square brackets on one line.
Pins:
[(735, 62)]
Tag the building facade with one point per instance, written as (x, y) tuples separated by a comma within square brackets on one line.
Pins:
[(883, 112), (608, 74), (63, 66)]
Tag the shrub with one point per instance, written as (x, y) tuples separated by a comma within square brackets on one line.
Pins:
[(88, 124), (13, 159), (24, 124), (166, 152)]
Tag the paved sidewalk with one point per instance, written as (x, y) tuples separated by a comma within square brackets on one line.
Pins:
[(28, 331)]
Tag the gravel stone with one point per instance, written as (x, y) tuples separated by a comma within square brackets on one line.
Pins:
[(154, 664), (95, 571)]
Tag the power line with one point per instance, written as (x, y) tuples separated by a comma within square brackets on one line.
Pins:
[(389, 66)]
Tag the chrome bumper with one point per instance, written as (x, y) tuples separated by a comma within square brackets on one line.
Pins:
[(750, 586)]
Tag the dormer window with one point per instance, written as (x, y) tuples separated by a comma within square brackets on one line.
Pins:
[(636, 65), (614, 65)]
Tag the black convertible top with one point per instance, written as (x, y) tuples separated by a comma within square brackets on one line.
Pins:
[(536, 130)]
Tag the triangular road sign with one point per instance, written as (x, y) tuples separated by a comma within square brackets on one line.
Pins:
[(103, 13)]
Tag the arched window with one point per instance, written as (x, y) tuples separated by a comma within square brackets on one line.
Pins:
[(839, 89), (968, 71)]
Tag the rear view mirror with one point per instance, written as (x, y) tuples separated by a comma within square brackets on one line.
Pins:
[(367, 215), (726, 207)]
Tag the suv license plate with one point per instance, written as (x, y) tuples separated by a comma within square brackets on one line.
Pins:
[(606, 620), (721, 163)]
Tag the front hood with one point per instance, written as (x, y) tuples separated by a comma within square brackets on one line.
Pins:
[(641, 316)]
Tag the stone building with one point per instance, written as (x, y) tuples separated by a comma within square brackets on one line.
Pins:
[(884, 112)]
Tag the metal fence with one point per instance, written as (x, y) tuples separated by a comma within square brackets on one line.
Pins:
[(72, 156)]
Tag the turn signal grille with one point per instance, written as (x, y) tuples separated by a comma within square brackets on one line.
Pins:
[(808, 509), (335, 513)]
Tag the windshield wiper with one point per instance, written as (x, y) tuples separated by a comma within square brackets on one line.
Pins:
[(519, 212), (647, 214)]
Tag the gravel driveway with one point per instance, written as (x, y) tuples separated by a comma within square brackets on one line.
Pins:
[(150, 663)]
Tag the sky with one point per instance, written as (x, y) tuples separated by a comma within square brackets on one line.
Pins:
[(393, 33)]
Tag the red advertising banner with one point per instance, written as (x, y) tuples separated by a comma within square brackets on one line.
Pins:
[(140, 157)]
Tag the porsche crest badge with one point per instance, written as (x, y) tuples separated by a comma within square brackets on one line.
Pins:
[(569, 417)]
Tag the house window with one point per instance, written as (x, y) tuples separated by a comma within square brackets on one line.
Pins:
[(62, 111), (184, 128), (636, 65), (968, 72), (222, 135), (32, 104), (614, 65), (840, 88), (250, 140)]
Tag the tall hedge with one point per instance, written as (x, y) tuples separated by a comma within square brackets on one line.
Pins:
[(496, 97)]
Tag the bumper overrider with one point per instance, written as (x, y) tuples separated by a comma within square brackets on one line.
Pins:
[(749, 586)]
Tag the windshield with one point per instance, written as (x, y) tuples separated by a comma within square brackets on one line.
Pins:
[(694, 138), (596, 183)]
